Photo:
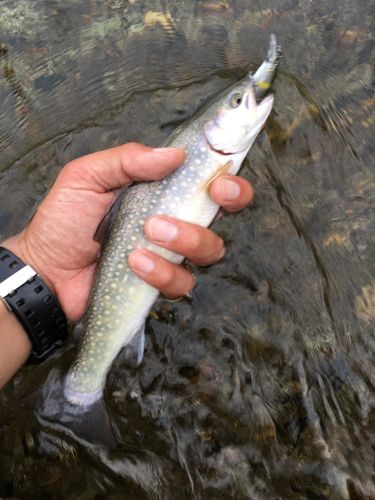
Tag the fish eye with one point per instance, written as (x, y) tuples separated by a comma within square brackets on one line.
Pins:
[(235, 100)]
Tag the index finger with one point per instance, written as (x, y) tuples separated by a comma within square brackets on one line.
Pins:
[(117, 167)]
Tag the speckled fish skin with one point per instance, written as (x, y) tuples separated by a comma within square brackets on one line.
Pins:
[(217, 141)]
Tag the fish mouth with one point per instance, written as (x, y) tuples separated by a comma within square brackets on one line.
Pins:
[(219, 151), (247, 100)]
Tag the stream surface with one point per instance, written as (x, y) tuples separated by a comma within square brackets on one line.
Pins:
[(262, 385)]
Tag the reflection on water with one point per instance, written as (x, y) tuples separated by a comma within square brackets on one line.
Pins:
[(263, 385)]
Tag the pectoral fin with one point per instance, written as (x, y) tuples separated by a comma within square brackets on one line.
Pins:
[(105, 225), (221, 170)]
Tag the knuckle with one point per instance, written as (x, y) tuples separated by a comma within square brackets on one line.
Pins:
[(134, 148), (194, 242), (71, 166), (192, 283), (168, 277), (69, 172), (220, 249)]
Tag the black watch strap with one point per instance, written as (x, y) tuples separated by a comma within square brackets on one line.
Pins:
[(33, 304)]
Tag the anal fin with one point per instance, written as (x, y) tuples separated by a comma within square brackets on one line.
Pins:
[(133, 351)]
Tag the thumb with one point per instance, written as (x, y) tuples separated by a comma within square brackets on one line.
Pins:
[(119, 166)]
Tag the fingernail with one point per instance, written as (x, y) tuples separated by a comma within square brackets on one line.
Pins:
[(141, 262), (230, 190), (190, 294), (161, 230), (222, 253)]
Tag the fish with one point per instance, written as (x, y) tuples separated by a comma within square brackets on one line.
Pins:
[(216, 141)]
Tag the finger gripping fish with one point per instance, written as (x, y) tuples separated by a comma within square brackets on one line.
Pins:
[(217, 141)]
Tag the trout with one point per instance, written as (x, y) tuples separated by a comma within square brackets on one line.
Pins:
[(217, 141)]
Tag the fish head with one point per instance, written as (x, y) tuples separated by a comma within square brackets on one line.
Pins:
[(236, 119)]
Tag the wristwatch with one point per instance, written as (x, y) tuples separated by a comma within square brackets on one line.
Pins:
[(32, 302)]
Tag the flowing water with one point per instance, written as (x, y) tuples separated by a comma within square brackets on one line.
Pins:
[(262, 385)]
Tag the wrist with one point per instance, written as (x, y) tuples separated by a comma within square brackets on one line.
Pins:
[(17, 245)]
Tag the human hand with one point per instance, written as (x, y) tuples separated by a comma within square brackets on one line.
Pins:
[(58, 242)]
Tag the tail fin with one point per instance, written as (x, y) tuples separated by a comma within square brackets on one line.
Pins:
[(91, 424)]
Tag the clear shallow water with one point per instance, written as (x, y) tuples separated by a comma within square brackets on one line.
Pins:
[(263, 385)]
